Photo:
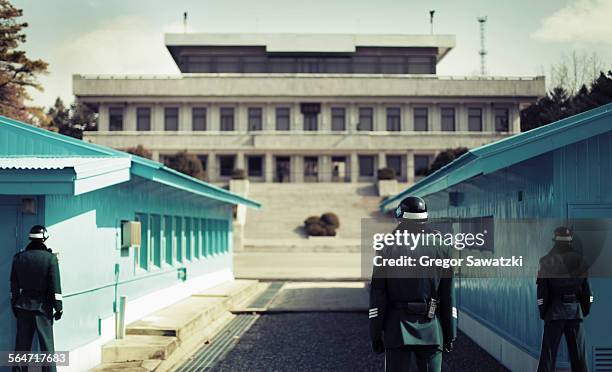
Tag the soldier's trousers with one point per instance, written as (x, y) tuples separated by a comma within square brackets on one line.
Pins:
[(427, 358), (574, 336), (28, 324)]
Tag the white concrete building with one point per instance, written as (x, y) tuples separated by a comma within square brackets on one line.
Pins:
[(306, 108)]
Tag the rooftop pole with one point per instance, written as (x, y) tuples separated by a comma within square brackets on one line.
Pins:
[(431, 19)]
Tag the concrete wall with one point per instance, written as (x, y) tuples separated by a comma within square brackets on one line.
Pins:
[(552, 184)]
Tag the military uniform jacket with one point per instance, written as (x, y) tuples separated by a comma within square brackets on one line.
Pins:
[(563, 288), (390, 319), (35, 280)]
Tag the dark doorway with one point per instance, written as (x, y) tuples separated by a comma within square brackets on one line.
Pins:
[(283, 168)]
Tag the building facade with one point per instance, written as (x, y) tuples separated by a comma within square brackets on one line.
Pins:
[(306, 108), (84, 194)]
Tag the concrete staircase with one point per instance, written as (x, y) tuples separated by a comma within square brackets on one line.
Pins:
[(278, 225), (160, 341)]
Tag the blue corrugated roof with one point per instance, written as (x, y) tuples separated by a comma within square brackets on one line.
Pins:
[(509, 151), (18, 139)]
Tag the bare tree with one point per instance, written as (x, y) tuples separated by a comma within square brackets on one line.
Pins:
[(575, 70)]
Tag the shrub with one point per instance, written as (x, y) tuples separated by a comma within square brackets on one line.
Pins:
[(386, 174), (330, 231), (238, 174), (312, 219), (330, 219), (315, 229)]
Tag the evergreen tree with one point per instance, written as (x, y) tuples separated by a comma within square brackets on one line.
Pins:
[(17, 71)]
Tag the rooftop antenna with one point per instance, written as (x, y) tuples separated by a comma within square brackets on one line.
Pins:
[(185, 22), (431, 16), (482, 51)]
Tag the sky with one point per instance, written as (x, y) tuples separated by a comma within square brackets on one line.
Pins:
[(523, 37)]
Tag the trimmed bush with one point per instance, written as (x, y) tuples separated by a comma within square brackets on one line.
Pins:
[(315, 229), (238, 174), (312, 219), (330, 219), (330, 231), (386, 174)]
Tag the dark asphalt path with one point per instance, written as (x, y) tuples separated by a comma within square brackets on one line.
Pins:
[(319, 341)]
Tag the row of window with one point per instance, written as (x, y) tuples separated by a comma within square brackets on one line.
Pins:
[(227, 119), (339, 166), (169, 240), (372, 64)]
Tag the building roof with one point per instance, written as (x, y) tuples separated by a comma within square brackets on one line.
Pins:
[(312, 43), (509, 151), (25, 147)]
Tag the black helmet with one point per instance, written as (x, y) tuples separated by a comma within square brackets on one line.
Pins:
[(412, 208), (562, 234), (38, 232)]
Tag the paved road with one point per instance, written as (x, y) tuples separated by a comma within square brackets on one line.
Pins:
[(325, 330)]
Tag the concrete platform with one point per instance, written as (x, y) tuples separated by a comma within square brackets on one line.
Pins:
[(159, 340), (137, 347)]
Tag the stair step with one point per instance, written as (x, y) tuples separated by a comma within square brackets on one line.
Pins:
[(233, 292), (138, 348), (179, 320)]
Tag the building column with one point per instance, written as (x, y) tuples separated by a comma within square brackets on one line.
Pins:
[(382, 160), (103, 118), (268, 167), (380, 117), (435, 124), (297, 168), (410, 167), (325, 169), (488, 122), (352, 117), (354, 167), (185, 118), (215, 118), (240, 161), (211, 167), (157, 118), (242, 113), (129, 118), (407, 122), (155, 155), (324, 118), (515, 118)]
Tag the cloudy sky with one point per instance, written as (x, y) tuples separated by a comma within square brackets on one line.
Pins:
[(524, 37)]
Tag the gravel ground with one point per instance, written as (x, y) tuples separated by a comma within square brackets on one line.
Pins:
[(318, 341)]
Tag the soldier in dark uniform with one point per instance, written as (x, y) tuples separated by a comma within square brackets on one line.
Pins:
[(564, 299), (412, 317), (35, 294)]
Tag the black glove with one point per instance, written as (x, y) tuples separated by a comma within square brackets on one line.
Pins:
[(14, 311), (448, 346), (58, 315), (378, 346)]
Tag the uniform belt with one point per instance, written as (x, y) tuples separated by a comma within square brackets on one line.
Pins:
[(416, 308), (569, 298), (33, 293)]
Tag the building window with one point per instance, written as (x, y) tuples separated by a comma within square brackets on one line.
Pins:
[(366, 166), (421, 165), (155, 239), (447, 118), (254, 64), (198, 118), (143, 252), (255, 166), (394, 121), (421, 119), (282, 118), (338, 119), (255, 122), (366, 119), (115, 118), (392, 65), (311, 169), (227, 119), (501, 120), (226, 165), (171, 118), (395, 162), (421, 65), (475, 119), (339, 169), (311, 122), (180, 238), (143, 119), (170, 239), (365, 65)]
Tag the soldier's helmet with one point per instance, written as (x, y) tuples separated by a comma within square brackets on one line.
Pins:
[(38, 232), (562, 234), (412, 208)]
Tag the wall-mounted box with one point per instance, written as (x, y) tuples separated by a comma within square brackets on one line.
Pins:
[(130, 234)]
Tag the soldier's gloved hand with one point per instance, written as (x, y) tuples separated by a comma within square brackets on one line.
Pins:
[(58, 315), (448, 346), (14, 311), (378, 346)]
